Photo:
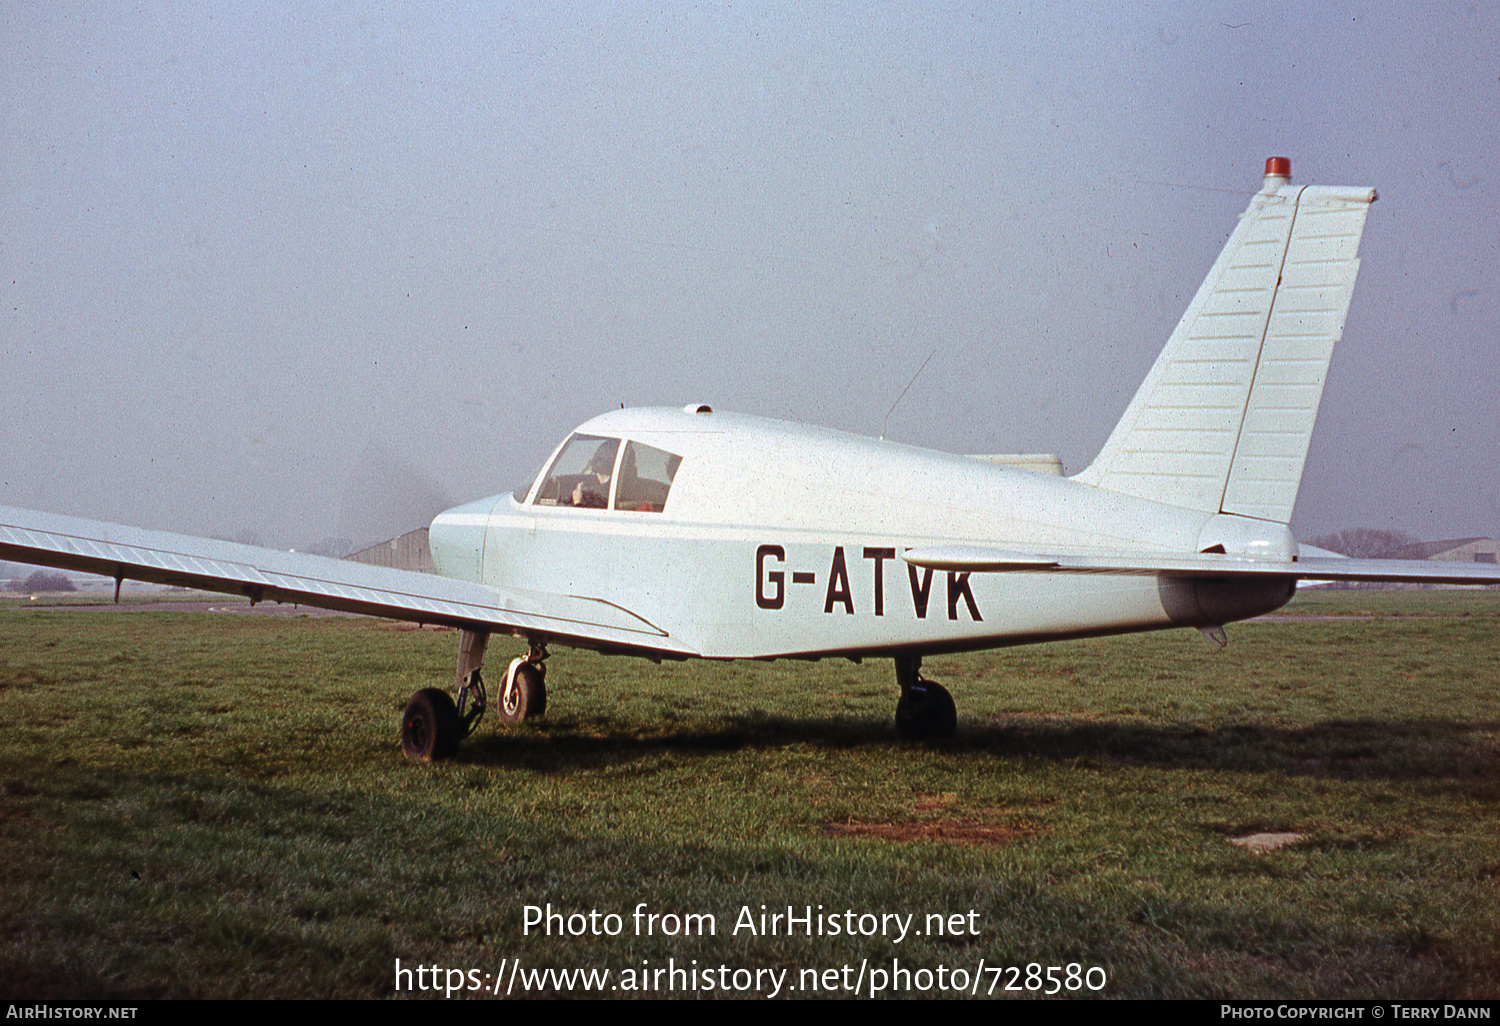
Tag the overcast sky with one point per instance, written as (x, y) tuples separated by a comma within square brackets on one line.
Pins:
[(317, 270)]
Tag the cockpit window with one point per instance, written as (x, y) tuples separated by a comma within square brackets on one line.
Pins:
[(585, 474), (645, 478), (582, 473)]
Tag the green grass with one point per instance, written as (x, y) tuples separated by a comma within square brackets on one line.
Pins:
[(210, 805)]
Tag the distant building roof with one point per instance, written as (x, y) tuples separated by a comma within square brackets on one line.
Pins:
[(1442, 549)]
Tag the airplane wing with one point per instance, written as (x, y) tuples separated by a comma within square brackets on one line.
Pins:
[(1323, 567), (130, 553)]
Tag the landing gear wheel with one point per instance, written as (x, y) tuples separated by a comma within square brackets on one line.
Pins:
[(925, 711), (430, 727), (525, 695)]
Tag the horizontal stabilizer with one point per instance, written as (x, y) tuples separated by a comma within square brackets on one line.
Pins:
[(1395, 571), (973, 557), (1036, 462), (976, 559)]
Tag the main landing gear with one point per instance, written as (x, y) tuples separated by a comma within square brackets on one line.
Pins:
[(925, 710), (433, 723)]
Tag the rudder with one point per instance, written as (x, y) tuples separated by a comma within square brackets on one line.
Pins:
[(1223, 420)]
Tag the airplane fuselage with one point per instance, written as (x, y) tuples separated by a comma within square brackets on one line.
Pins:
[(777, 539)]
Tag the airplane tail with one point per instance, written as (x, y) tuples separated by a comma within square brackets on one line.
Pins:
[(1222, 422)]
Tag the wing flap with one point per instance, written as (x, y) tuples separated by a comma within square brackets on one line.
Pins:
[(129, 553)]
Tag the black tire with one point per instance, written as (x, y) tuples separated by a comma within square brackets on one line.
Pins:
[(530, 698), (430, 727), (925, 712)]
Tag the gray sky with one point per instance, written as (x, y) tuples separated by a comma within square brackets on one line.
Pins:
[(316, 269)]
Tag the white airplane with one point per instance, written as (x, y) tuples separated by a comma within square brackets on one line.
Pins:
[(693, 533)]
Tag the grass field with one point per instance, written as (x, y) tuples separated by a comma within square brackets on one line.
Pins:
[(213, 805)]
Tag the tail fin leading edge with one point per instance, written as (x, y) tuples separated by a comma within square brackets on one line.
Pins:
[(1222, 422)]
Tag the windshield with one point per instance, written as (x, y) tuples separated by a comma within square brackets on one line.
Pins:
[(582, 473), (591, 472)]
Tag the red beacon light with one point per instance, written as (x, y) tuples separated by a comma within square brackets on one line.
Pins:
[(1279, 167)]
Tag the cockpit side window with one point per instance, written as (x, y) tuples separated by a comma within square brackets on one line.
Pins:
[(645, 478), (582, 474)]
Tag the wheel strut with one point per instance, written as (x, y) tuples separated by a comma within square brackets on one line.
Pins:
[(471, 702), (525, 693)]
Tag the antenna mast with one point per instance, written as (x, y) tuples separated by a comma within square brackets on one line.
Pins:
[(910, 383)]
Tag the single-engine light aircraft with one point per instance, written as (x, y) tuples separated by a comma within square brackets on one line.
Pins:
[(694, 533)]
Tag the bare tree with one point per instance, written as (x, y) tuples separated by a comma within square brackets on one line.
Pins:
[(338, 548), (43, 580), (1364, 542)]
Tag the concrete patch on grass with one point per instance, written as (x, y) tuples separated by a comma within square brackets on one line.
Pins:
[(1262, 844)]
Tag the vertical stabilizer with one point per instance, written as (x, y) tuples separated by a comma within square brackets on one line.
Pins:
[(1222, 422)]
